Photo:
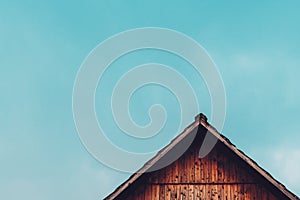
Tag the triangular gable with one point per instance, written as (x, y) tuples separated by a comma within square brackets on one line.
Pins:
[(197, 130)]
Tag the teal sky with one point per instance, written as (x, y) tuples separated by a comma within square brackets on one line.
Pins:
[(255, 45)]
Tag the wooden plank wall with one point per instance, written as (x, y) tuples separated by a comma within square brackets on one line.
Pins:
[(218, 176)]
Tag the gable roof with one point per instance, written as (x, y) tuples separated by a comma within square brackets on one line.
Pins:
[(201, 120)]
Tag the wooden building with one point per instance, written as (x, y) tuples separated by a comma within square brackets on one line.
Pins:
[(225, 173)]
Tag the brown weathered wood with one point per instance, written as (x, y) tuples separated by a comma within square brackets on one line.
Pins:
[(183, 192), (217, 176), (197, 171), (225, 174), (155, 192), (162, 192)]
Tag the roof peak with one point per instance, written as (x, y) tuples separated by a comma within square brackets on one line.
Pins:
[(201, 117)]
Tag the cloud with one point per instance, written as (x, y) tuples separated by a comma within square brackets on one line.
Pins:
[(288, 163), (283, 162)]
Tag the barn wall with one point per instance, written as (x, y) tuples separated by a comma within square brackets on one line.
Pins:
[(220, 175)]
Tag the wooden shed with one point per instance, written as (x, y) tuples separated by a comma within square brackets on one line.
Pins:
[(225, 173)]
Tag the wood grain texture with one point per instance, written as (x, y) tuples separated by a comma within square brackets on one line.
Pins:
[(218, 176)]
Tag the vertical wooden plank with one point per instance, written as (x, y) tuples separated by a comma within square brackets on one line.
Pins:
[(254, 191), (169, 174), (226, 179), (191, 192), (140, 194), (187, 166), (208, 191), (196, 165), (167, 192), (161, 176), (240, 192), (181, 168), (222, 191), (206, 169), (225, 166), (220, 168), (178, 187), (229, 188), (241, 174), (155, 176), (155, 192), (226, 191), (232, 171), (203, 191), (161, 192), (173, 192), (237, 169), (264, 194), (197, 192), (228, 176), (209, 169), (175, 172), (247, 193), (149, 178), (202, 173), (185, 169), (235, 191), (147, 193), (214, 168), (183, 192), (192, 165), (214, 192), (197, 170), (179, 192)]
